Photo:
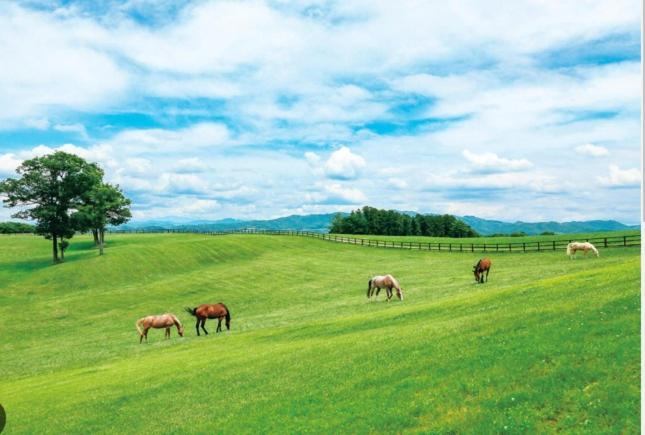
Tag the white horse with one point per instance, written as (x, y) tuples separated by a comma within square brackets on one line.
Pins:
[(388, 282), (580, 246)]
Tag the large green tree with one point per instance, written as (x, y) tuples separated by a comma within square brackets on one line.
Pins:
[(49, 190), (103, 205)]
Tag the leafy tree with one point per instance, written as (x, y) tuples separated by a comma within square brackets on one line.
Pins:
[(103, 205), (50, 189)]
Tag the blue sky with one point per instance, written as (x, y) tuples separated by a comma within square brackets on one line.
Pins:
[(213, 109)]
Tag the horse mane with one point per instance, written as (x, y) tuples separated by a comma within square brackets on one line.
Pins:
[(176, 320)]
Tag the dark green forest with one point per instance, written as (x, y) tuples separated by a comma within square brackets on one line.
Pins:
[(370, 220)]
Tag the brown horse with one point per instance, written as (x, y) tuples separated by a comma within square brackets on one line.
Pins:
[(482, 266), (211, 311), (158, 322), (388, 282)]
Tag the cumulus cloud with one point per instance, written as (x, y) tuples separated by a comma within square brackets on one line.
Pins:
[(344, 165), (8, 164), (335, 193), (592, 150), (621, 177), (488, 161)]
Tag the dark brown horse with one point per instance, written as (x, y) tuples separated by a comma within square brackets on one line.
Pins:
[(211, 311), (482, 266)]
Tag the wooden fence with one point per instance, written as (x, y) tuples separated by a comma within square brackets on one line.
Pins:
[(539, 246)]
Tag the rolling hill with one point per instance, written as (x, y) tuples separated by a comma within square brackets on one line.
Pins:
[(547, 345)]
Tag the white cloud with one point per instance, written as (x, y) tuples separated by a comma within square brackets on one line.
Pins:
[(621, 177), (8, 164), (397, 183), (592, 150), (488, 161), (334, 193), (37, 123), (202, 135), (191, 164), (344, 165), (72, 128)]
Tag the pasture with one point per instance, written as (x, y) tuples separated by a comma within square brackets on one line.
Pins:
[(548, 344)]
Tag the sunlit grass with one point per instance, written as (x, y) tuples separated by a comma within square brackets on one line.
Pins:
[(548, 344)]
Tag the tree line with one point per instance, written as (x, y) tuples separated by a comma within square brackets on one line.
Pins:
[(15, 228), (64, 194), (370, 220)]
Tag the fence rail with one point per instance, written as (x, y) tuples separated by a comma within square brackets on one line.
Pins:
[(539, 246)]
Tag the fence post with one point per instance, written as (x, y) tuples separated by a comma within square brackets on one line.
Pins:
[(497, 247), (524, 246), (450, 247), (605, 242), (624, 240), (439, 247), (538, 246), (554, 245), (472, 247)]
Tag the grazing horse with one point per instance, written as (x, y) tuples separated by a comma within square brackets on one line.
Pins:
[(483, 265), (580, 246), (384, 281), (158, 322), (211, 311)]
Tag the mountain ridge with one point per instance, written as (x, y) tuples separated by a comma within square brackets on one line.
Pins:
[(321, 223)]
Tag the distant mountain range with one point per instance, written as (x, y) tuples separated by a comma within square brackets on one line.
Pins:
[(321, 222)]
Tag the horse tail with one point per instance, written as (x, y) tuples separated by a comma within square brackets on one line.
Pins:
[(191, 311), (369, 287), (228, 316), (138, 326)]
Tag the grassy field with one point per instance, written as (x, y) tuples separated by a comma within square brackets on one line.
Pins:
[(548, 344)]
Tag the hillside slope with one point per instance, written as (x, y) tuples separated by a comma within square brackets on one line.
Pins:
[(548, 344)]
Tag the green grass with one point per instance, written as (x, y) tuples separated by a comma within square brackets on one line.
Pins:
[(547, 345), (494, 240)]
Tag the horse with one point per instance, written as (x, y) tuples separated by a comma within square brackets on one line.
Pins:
[(580, 246), (384, 281), (483, 265), (158, 322), (210, 311)]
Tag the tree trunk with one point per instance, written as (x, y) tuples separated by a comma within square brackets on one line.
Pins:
[(101, 240), (55, 247), (62, 250), (95, 233)]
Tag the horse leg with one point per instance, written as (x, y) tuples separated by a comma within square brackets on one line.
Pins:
[(197, 325), (145, 333), (167, 334), (219, 325), (203, 326)]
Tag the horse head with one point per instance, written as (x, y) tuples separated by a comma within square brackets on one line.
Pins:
[(180, 330), (476, 272), (399, 293)]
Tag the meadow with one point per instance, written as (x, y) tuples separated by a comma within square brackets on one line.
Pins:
[(548, 344)]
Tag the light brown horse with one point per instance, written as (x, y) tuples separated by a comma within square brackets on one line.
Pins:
[(388, 282), (211, 311), (483, 265), (162, 321), (581, 246)]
